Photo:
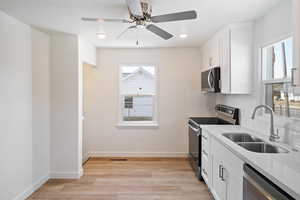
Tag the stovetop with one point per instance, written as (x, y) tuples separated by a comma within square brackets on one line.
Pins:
[(209, 120)]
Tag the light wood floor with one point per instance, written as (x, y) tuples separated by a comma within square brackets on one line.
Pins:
[(132, 179)]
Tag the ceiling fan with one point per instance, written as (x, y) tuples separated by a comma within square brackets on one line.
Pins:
[(140, 12)]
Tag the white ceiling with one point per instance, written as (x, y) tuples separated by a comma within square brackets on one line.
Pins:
[(65, 16)]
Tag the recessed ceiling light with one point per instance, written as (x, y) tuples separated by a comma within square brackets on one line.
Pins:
[(101, 36), (183, 35)]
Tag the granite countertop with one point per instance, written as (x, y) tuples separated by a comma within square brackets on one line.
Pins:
[(283, 169)]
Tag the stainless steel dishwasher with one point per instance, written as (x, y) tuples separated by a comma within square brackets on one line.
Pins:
[(258, 187)]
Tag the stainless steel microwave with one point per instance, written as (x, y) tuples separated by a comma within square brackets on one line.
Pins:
[(210, 80)]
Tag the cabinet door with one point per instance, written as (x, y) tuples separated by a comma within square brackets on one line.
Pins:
[(234, 175), (224, 52), (214, 54), (210, 53), (241, 58), (218, 185), (205, 56), (227, 175)]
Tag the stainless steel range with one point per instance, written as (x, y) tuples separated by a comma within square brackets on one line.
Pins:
[(224, 115)]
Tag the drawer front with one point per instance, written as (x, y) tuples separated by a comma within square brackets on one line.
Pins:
[(205, 157), (205, 152), (205, 170), (205, 144), (204, 135)]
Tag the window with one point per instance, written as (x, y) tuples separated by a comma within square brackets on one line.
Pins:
[(138, 95), (277, 69), (277, 61)]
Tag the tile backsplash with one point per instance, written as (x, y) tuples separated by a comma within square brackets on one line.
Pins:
[(288, 129)]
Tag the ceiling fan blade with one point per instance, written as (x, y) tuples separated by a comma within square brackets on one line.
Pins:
[(175, 16), (121, 34), (106, 20), (135, 7), (158, 31)]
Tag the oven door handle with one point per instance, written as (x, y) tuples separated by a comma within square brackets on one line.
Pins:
[(194, 129)]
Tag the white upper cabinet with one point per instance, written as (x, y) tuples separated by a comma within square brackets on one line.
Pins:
[(235, 45), (231, 49), (210, 53)]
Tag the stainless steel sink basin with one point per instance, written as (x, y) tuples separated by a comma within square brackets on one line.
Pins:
[(241, 137), (263, 147), (253, 144)]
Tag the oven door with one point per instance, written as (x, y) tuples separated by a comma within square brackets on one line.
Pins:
[(195, 147), (258, 187)]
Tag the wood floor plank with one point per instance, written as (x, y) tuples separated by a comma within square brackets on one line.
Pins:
[(128, 179)]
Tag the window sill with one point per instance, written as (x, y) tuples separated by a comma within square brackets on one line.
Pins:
[(150, 125)]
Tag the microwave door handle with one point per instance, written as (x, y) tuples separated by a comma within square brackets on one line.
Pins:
[(208, 79), (212, 83)]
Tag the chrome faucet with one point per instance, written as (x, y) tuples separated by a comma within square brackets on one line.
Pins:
[(273, 136)]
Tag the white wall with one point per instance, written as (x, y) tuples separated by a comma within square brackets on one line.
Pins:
[(24, 139), (66, 135), (87, 70), (87, 52), (40, 105), (179, 98), (15, 102), (87, 58), (25, 104), (275, 25)]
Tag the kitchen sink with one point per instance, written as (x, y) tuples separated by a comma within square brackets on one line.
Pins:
[(262, 147), (241, 137), (253, 144)]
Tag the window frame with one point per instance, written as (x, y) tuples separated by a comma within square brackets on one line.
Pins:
[(283, 80), (138, 124), (264, 83)]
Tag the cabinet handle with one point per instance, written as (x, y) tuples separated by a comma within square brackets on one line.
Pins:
[(222, 174), (204, 172), (293, 77), (204, 137), (205, 153), (220, 171)]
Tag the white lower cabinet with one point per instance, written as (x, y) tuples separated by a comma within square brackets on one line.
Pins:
[(226, 173)]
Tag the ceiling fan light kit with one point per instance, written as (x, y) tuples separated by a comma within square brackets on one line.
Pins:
[(183, 36), (140, 13), (101, 35)]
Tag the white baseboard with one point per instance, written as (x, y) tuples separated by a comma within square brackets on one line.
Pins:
[(31, 189), (66, 175), (77, 175), (85, 158), (138, 154)]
